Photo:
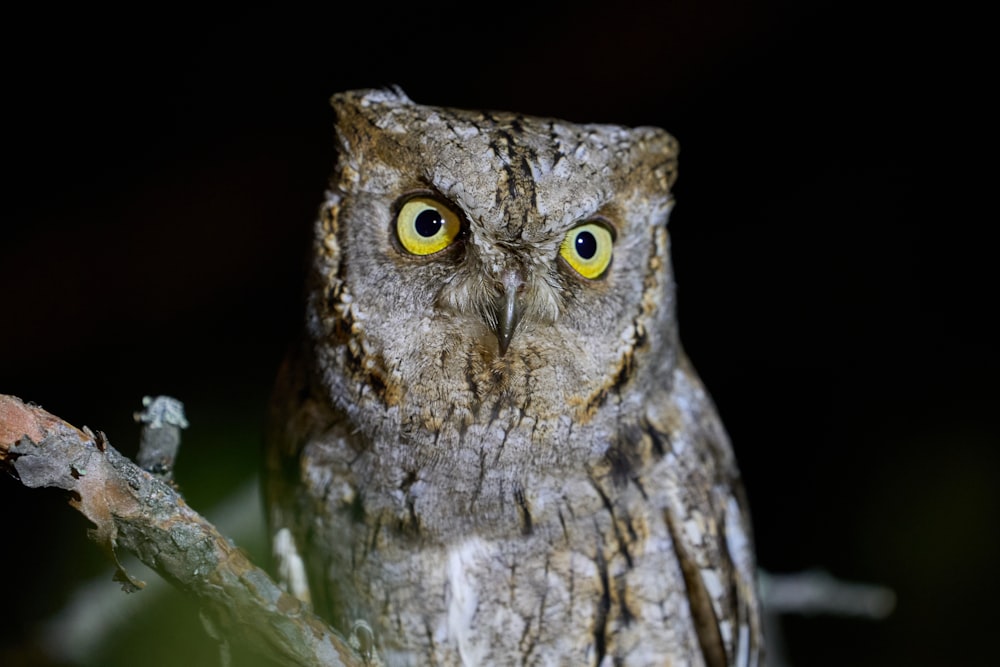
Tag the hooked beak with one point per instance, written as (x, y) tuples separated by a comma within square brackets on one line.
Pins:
[(507, 308)]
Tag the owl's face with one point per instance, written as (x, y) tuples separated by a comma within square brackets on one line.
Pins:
[(475, 263)]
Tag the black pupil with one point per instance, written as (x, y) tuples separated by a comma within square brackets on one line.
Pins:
[(586, 245), (428, 223)]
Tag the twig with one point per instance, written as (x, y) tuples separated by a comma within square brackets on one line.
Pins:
[(132, 510), (814, 592), (162, 419), (818, 592)]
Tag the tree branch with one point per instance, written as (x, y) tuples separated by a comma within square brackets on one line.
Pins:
[(132, 510)]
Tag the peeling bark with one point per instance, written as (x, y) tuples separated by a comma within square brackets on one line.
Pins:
[(133, 510)]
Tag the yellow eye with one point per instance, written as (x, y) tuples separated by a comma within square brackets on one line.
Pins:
[(587, 249), (426, 226)]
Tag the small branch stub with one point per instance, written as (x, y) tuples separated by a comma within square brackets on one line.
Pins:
[(162, 419)]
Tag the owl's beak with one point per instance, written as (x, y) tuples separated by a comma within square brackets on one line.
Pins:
[(508, 308)]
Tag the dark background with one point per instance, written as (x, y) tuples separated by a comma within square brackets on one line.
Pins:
[(162, 173)]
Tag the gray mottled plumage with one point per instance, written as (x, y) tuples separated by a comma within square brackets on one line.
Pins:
[(480, 454)]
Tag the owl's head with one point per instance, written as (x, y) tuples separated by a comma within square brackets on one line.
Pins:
[(472, 259)]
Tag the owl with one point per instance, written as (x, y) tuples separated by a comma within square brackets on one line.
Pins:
[(490, 448)]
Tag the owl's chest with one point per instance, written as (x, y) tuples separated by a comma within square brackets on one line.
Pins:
[(562, 569)]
